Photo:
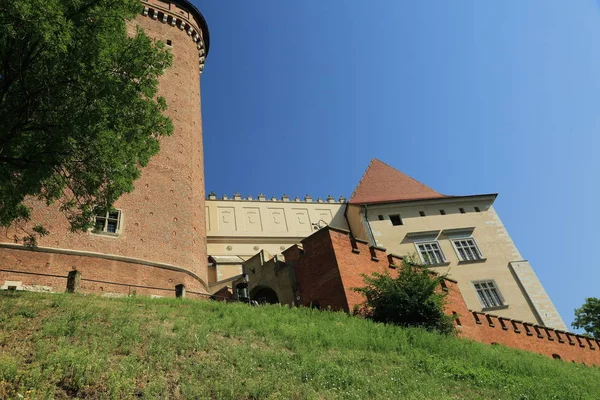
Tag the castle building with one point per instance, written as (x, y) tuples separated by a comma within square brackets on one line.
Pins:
[(167, 238), (458, 235)]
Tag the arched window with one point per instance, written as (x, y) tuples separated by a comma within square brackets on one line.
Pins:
[(556, 357)]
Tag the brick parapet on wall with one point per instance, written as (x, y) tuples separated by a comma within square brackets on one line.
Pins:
[(98, 276), (568, 346), (352, 258)]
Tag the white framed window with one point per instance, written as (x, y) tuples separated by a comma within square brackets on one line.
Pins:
[(108, 222), (489, 294), (430, 252), (467, 249)]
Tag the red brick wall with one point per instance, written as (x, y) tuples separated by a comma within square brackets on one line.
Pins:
[(164, 216), (99, 276), (332, 253), (317, 275)]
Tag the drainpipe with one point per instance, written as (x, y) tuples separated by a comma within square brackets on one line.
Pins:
[(369, 230)]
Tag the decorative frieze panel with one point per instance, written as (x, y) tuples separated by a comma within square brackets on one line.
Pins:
[(301, 220), (277, 219), (227, 223), (252, 221)]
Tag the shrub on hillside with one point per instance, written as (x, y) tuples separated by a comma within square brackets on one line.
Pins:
[(413, 298)]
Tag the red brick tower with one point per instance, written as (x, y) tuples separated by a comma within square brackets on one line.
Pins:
[(158, 240)]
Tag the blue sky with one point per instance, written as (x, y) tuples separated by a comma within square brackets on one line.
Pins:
[(466, 96)]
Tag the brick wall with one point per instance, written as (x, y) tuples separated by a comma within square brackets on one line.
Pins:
[(329, 263), (318, 280), (98, 276)]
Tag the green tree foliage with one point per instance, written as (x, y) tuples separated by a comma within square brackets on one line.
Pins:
[(413, 298), (79, 112), (588, 317)]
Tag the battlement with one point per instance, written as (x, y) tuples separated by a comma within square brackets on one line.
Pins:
[(187, 19), (285, 198), (559, 344)]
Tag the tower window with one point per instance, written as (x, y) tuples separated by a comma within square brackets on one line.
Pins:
[(396, 219), (108, 222), (380, 217), (442, 212), (462, 210), (422, 213), (169, 42)]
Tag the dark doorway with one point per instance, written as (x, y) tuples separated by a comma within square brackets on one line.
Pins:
[(265, 295)]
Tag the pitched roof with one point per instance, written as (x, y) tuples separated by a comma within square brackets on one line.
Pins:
[(382, 183)]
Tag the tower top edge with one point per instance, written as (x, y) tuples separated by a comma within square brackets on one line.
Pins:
[(187, 5)]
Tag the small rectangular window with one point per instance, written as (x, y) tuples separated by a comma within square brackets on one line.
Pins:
[(396, 219), (477, 209), (430, 252), (442, 212), (108, 222), (422, 213), (169, 42), (488, 293), (462, 210), (380, 217)]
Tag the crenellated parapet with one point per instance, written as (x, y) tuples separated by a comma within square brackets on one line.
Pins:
[(182, 15), (559, 344), (285, 198)]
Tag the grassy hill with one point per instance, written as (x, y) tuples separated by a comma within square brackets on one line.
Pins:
[(61, 346)]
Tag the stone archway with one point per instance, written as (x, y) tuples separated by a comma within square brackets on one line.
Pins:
[(264, 295)]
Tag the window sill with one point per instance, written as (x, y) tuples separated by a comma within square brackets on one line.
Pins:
[(502, 307), (444, 264), (108, 234), (472, 261)]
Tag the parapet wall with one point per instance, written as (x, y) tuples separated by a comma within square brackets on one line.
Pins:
[(46, 270), (329, 263)]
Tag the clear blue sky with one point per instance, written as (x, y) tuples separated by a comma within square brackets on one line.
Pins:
[(466, 96)]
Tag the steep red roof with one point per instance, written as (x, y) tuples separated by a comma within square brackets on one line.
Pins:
[(382, 183)]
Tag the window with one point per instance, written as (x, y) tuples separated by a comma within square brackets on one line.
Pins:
[(442, 212), (422, 213), (108, 222), (477, 209), (169, 42), (466, 249), (380, 217), (430, 252), (489, 295), (396, 220), (462, 210)]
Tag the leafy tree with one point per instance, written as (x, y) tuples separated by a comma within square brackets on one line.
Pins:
[(588, 317), (413, 298), (79, 112)]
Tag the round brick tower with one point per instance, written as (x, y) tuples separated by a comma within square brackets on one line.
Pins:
[(157, 239)]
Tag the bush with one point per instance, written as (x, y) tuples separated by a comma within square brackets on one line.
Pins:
[(413, 298)]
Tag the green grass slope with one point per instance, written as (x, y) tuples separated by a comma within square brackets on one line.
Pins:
[(63, 346)]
